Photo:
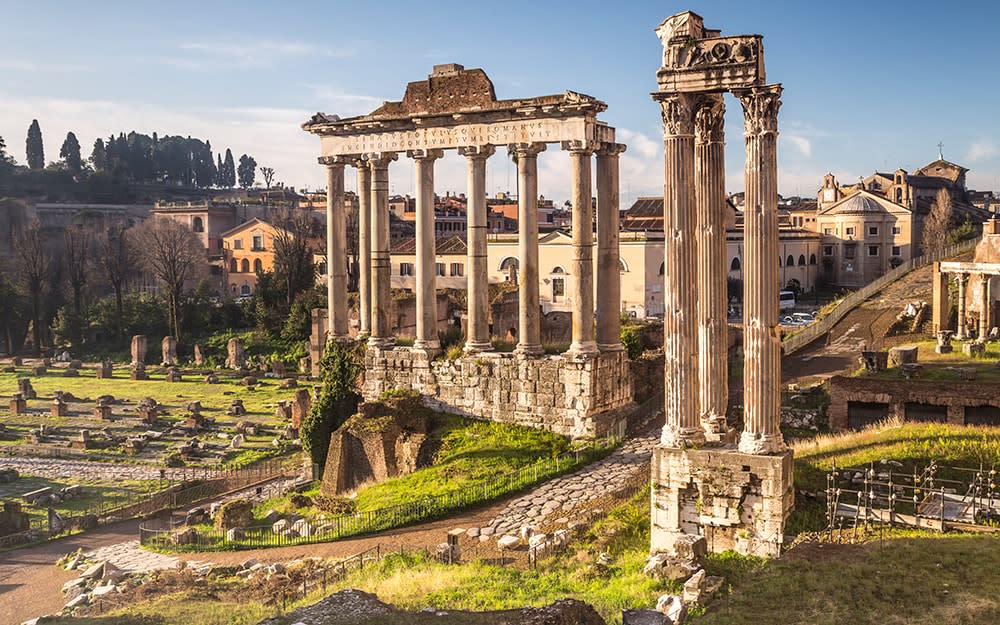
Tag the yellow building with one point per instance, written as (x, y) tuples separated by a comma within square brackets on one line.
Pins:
[(248, 250)]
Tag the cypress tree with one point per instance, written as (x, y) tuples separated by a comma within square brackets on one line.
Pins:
[(33, 146)]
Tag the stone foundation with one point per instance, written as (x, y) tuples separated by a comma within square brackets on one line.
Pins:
[(735, 500), (574, 397)]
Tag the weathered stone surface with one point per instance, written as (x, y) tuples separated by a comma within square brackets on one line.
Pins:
[(904, 354)]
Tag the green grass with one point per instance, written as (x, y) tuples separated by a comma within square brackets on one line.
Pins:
[(97, 494), (180, 608), (940, 367)]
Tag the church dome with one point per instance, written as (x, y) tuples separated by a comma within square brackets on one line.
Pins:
[(860, 203)]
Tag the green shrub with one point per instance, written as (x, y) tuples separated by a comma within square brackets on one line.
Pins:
[(632, 341), (338, 400)]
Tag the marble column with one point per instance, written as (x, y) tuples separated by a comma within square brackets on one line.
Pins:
[(583, 343), (984, 306), (426, 290), (381, 329), (477, 337), (364, 248), (680, 346), (609, 284), (713, 328), (529, 341), (941, 308), (336, 249), (962, 281), (761, 335)]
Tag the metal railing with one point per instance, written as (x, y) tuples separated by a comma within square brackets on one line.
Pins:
[(799, 340)]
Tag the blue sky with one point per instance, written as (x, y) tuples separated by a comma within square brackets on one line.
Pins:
[(867, 85)]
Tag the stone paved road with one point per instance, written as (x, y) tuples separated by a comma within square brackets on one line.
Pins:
[(558, 497)]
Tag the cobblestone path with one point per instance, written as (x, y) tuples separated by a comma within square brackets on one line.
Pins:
[(54, 468)]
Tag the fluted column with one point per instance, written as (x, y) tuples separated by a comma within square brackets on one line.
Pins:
[(364, 248), (984, 306), (477, 337), (426, 290), (609, 285), (680, 366), (336, 249), (962, 281), (529, 341), (761, 336), (710, 194), (583, 340), (381, 330)]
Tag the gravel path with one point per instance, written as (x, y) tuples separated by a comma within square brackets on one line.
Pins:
[(557, 498), (53, 468)]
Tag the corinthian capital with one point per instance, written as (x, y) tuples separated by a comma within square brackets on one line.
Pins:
[(760, 109), (580, 147), (425, 154), (526, 150), (380, 160), (709, 120), (477, 151), (678, 114), (611, 149)]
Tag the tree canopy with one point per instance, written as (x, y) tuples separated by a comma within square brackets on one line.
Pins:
[(247, 171), (70, 153), (33, 146)]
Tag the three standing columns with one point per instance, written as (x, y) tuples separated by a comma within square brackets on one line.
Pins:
[(713, 327), (583, 342), (680, 405), (426, 338), (609, 284), (478, 332), (529, 327), (381, 300), (761, 336), (336, 249)]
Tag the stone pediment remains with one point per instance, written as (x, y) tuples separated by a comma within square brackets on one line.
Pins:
[(699, 60)]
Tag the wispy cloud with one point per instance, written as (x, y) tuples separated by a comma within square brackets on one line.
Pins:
[(981, 150), (228, 53), (800, 143)]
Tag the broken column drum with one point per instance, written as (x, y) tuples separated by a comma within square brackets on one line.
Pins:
[(735, 489)]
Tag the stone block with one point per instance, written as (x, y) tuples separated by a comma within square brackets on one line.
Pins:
[(904, 354)]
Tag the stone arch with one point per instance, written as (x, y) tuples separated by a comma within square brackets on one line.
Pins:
[(622, 266), (802, 260), (258, 266), (245, 266), (234, 267), (509, 262)]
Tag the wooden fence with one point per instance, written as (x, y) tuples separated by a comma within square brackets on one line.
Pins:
[(799, 340)]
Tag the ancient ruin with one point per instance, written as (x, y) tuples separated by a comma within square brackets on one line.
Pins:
[(575, 393), (138, 365), (737, 495), (976, 283)]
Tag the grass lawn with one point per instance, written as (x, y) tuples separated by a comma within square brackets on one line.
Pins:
[(939, 367)]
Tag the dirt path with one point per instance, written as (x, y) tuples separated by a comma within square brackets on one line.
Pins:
[(30, 583)]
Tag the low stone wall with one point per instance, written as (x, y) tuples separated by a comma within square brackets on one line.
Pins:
[(574, 397), (895, 394)]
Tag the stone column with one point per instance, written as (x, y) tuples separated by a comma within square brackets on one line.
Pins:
[(426, 290), (336, 249), (962, 280), (984, 306), (529, 341), (477, 337), (941, 308), (680, 347), (761, 336), (609, 284), (364, 247), (713, 329), (583, 342), (381, 329)]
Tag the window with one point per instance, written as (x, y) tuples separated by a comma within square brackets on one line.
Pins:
[(873, 250), (456, 269), (849, 251), (322, 268), (812, 259), (439, 269), (234, 268), (622, 267), (897, 230), (406, 269), (827, 250), (828, 231), (733, 266), (802, 260), (790, 261), (258, 266), (245, 289), (558, 287), (779, 261), (258, 242), (897, 251), (849, 232), (245, 266), (873, 231), (199, 225), (508, 263), (237, 244)]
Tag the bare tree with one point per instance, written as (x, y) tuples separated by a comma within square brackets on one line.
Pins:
[(293, 257), (34, 265), (78, 250), (268, 174), (117, 260), (937, 223), (174, 256)]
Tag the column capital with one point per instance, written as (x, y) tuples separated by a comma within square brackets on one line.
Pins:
[(610, 149), (380, 160), (477, 151), (760, 109), (526, 150), (709, 119), (677, 111), (425, 154), (339, 159), (580, 147)]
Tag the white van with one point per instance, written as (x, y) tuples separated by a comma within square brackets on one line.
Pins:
[(786, 300)]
